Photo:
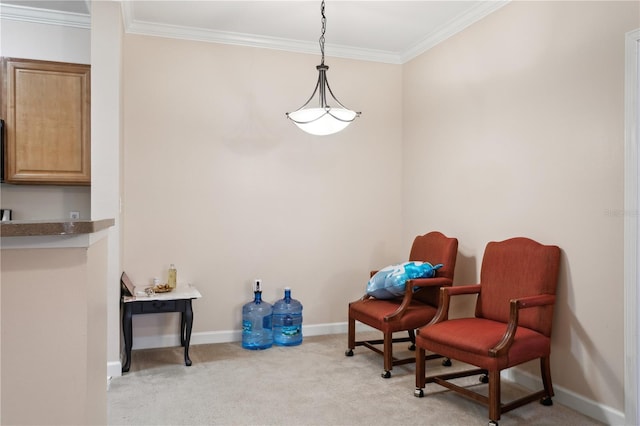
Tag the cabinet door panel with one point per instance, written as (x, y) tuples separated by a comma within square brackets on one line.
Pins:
[(47, 108)]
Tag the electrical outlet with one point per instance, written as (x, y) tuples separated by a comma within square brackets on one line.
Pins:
[(74, 215)]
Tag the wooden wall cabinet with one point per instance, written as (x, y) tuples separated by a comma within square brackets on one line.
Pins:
[(47, 111)]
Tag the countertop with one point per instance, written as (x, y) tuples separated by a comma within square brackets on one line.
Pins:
[(29, 228)]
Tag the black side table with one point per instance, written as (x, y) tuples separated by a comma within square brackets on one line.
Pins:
[(178, 300)]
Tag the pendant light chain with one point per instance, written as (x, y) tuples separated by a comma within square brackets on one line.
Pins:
[(324, 28)]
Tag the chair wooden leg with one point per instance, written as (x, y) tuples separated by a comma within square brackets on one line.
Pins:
[(494, 395), (420, 368), (545, 372), (351, 342), (388, 355)]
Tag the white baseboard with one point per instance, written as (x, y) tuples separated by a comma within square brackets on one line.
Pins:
[(569, 398), (201, 338), (114, 369)]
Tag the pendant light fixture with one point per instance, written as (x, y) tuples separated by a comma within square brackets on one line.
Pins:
[(322, 119)]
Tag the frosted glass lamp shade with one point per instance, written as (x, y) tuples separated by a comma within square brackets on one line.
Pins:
[(322, 121)]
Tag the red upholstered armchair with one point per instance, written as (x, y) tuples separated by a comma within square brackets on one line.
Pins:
[(407, 313), (512, 323)]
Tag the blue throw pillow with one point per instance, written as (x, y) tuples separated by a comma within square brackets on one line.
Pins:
[(390, 281)]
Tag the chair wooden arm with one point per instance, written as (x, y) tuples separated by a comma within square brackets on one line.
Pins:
[(409, 291), (538, 300), (463, 289), (429, 282), (445, 295), (512, 326)]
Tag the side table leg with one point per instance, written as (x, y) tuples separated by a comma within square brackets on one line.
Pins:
[(128, 336), (188, 323), (183, 324)]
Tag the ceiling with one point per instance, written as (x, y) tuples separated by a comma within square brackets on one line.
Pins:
[(382, 31)]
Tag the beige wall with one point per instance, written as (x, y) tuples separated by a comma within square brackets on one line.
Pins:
[(217, 181), (54, 336), (517, 127)]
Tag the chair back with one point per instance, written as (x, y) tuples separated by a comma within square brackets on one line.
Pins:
[(516, 268), (435, 247)]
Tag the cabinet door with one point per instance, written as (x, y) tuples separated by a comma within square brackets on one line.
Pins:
[(47, 110)]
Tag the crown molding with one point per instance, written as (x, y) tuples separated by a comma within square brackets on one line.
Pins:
[(44, 16), (452, 27), (264, 42), (133, 26)]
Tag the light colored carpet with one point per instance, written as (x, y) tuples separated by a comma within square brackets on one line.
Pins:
[(310, 384)]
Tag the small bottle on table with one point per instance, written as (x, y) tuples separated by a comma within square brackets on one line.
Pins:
[(173, 276)]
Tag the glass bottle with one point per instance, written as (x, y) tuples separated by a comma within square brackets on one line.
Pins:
[(173, 276)]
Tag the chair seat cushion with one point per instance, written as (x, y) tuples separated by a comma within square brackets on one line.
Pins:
[(373, 311), (470, 339)]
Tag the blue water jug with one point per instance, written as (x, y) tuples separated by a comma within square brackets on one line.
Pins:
[(257, 332), (287, 321)]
